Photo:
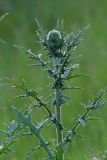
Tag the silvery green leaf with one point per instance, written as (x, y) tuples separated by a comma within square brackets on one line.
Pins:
[(82, 120), (54, 102), (12, 127), (3, 17), (41, 124)]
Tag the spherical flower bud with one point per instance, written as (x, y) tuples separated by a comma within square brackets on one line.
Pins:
[(53, 35), (54, 41)]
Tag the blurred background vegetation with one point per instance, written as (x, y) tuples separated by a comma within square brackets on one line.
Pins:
[(20, 28)]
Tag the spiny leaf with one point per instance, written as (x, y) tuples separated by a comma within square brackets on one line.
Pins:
[(73, 40), (41, 124), (3, 17), (82, 120), (27, 51), (31, 151), (40, 32), (59, 26), (12, 128), (98, 100), (2, 41)]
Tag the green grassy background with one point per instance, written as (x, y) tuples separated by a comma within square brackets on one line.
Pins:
[(19, 28)]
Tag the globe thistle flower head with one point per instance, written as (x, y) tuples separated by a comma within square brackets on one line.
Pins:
[(53, 35), (54, 41)]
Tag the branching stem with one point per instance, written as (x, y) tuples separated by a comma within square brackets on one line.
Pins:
[(35, 131)]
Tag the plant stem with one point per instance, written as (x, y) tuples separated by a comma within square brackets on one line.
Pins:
[(58, 90), (58, 115), (59, 132)]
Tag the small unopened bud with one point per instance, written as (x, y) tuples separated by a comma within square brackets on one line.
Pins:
[(55, 41), (54, 35)]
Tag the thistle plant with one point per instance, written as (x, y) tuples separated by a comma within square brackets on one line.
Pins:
[(59, 48)]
